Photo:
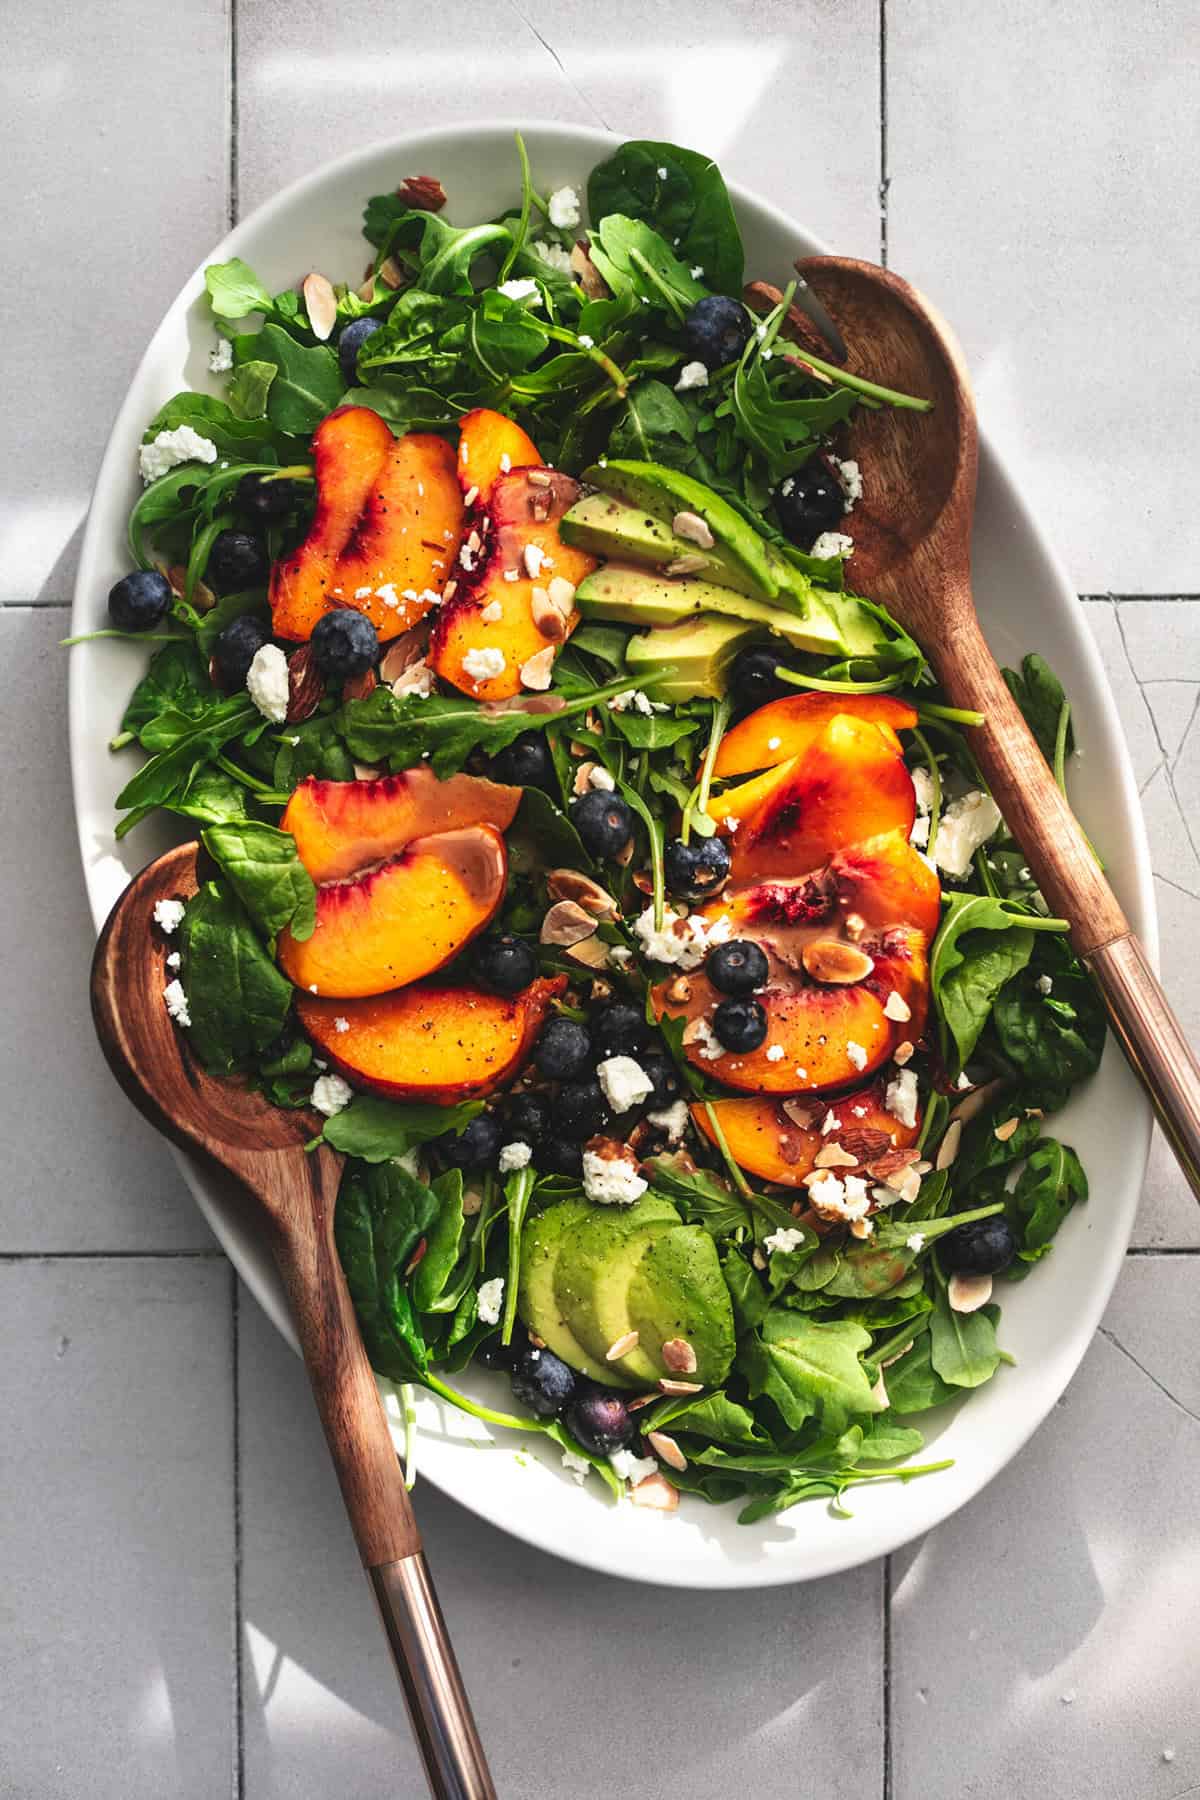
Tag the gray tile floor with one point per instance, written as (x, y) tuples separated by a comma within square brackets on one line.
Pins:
[(181, 1613)]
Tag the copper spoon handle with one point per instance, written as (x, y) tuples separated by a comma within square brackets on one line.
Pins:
[(1074, 885)]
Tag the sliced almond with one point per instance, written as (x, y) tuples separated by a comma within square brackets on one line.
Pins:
[(641, 1400), (583, 778), (562, 594), (391, 273), (679, 990), (973, 1105), (679, 1356), (948, 1148), (799, 1114), (696, 530), (403, 651), (897, 1007), (686, 565), (1005, 1131), (836, 963), (832, 1156), (587, 274), (566, 923), (657, 1493), (855, 926), (621, 1347), (546, 616), (572, 884), (538, 669), (540, 478), (320, 303), (589, 952), (879, 1391), (668, 1449), (903, 1053), (967, 1293), (472, 1202), (758, 1259), (669, 1385)]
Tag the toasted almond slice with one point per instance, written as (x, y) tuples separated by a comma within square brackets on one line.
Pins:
[(855, 926), (320, 303), (641, 1400), (621, 1347), (472, 1202), (679, 1356), (562, 594), (967, 1293), (1005, 1131), (973, 1105), (686, 565), (758, 1259), (572, 884), (696, 530), (566, 923), (799, 1114), (836, 963), (680, 989), (590, 952), (948, 1148), (537, 670), (832, 1156), (903, 1053), (657, 1493), (668, 1385), (668, 1449), (897, 1007), (546, 617)]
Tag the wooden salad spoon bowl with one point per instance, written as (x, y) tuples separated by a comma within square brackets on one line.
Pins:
[(912, 552), (291, 1193)]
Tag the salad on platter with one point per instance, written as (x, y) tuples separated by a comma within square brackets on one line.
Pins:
[(606, 878)]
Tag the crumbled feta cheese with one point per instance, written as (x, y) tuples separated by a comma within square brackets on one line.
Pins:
[(505, 464), (492, 613), (692, 375), (901, 1098), (624, 1081), (387, 593), (611, 1180), (916, 1241), (852, 485), (710, 1046), (626, 1466), (553, 254), (685, 941), (267, 683), (466, 558), (896, 1007), (363, 593), (170, 448), (514, 1156), (410, 1164), (620, 956), (832, 543), (600, 779), (922, 782), (220, 360), (830, 1122), (662, 176), (521, 290), (512, 574), (671, 1119), (177, 1004), (585, 342), (490, 1299), (775, 1053), (485, 664), (534, 558), (340, 1024), (697, 274), (642, 703), (774, 743), (1044, 984), (168, 915), (576, 1465), (174, 961), (832, 1198), (857, 1054), (563, 209), (417, 680), (918, 837), (966, 824), (788, 1238), (330, 1094), (731, 824)]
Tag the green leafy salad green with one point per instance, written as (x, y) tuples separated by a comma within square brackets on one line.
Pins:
[(730, 1199)]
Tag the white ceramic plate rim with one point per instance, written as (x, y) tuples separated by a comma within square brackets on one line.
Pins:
[(564, 1531)]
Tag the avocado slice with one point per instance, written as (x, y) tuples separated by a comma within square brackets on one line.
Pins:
[(677, 1290), (542, 1243), (749, 565), (834, 625), (605, 526), (596, 1258), (699, 650)]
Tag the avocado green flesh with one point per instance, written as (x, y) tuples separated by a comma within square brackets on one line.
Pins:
[(677, 1290), (663, 492), (699, 650), (631, 596), (604, 526), (595, 1265), (542, 1243)]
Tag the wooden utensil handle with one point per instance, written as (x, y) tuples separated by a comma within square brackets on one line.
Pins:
[(1074, 884)]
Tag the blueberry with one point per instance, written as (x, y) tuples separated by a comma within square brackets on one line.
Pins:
[(618, 1029), (983, 1247), (753, 679), (268, 496), (667, 1086), (809, 502), (236, 648), (476, 1148), (526, 762), (599, 1419), (717, 330), (344, 644), (139, 601), (556, 1156), (495, 1355), (504, 963), (603, 821), (236, 561), (564, 1050), (737, 967), (353, 337), (740, 1025), (581, 1111), (696, 869), (542, 1382), (526, 1119)]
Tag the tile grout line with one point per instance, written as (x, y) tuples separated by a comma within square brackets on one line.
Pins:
[(884, 178), (239, 1710), (233, 114), (1162, 1250), (40, 1256), (887, 1678)]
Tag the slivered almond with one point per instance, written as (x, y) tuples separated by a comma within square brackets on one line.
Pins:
[(590, 952), (1005, 1131), (696, 530), (621, 1347), (679, 1356), (320, 303), (967, 1293), (566, 923), (539, 478), (855, 926), (799, 1114), (546, 616), (668, 1385), (572, 884), (948, 1148), (832, 1156), (657, 1493), (641, 1400), (973, 1105), (537, 670), (668, 1449), (686, 565), (835, 963)]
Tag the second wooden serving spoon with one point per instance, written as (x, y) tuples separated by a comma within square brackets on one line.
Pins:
[(292, 1193), (912, 552)]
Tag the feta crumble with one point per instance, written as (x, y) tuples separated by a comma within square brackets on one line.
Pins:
[(901, 1098), (168, 915), (642, 703), (174, 960), (514, 1156), (857, 1054), (787, 1238), (671, 1119), (170, 448), (553, 254), (563, 209), (492, 613), (922, 782), (267, 683), (852, 485), (585, 342), (484, 665), (1044, 983), (624, 1081), (576, 1465), (627, 1466), (521, 290), (340, 1025), (220, 359), (177, 1004), (832, 543), (611, 1180), (966, 823), (692, 375), (490, 1299), (916, 1241), (685, 941), (832, 1198), (696, 273), (534, 558), (775, 1052), (330, 1094)]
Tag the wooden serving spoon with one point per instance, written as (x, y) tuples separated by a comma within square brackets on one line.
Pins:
[(912, 551), (291, 1193)]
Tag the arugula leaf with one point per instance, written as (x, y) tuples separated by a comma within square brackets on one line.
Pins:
[(237, 998), (1057, 1036), (714, 1416), (807, 1367), (982, 944), (654, 731), (1051, 1182), (1041, 697), (188, 741), (307, 384), (234, 290), (913, 1384), (684, 196), (543, 837), (263, 867), (962, 1346), (655, 427), (377, 1131), (633, 258), (382, 1214), (442, 254)]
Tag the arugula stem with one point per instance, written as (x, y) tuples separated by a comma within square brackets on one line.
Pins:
[(410, 1436), (985, 874), (1060, 747), (616, 375), (953, 715), (134, 637), (860, 385), (698, 799), (509, 1420), (820, 685), (739, 1180), (654, 833), (522, 231)]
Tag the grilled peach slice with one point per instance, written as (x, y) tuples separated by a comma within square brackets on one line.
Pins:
[(490, 445), (402, 920), (430, 1042), (884, 881), (787, 727), (778, 1146), (503, 605), (341, 826), (388, 525)]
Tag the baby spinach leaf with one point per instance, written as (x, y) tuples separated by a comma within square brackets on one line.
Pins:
[(747, 1293), (543, 837), (176, 681), (714, 1416), (982, 944), (377, 1131), (634, 259), (807, 1367), (438, 1283), (264, 870), (868, 1270), (229, 607), (249, 387), (234, 437), (683, 194), (655, 427), (913, 1384), (382, 1214), (237, 998), (1056, 1036), (700, 1197), (211, 797), (1041, 697), (1050, 1183), (311, 748), (307, 384), (885, 1441), (654, 731), (234, 290), (962, 1346), (187, 742)]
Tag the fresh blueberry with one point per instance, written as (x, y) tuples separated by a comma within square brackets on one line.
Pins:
[(556, 1156), (504, 963), (139, 601), (618, 1029), (717, 330), (599, 1419), (542, 1382), (809, 502), (737, 967), (236, 561), (603, 821), (564, 1050), (754, 679), (236, 647), (526, 1119), (269, 496), (477, 1147), (667, 1086), (526, 762), (344, 644), (353, 337), (696, 869), (982, 1247), (740, 1025), (581, 1111)]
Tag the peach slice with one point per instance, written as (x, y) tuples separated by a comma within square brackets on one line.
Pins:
[(883, 881), (385, 534), (490, 445), (787, 727), (776, 1146), (430, 1042), (497, 607), (402, 920), (341, 826)]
